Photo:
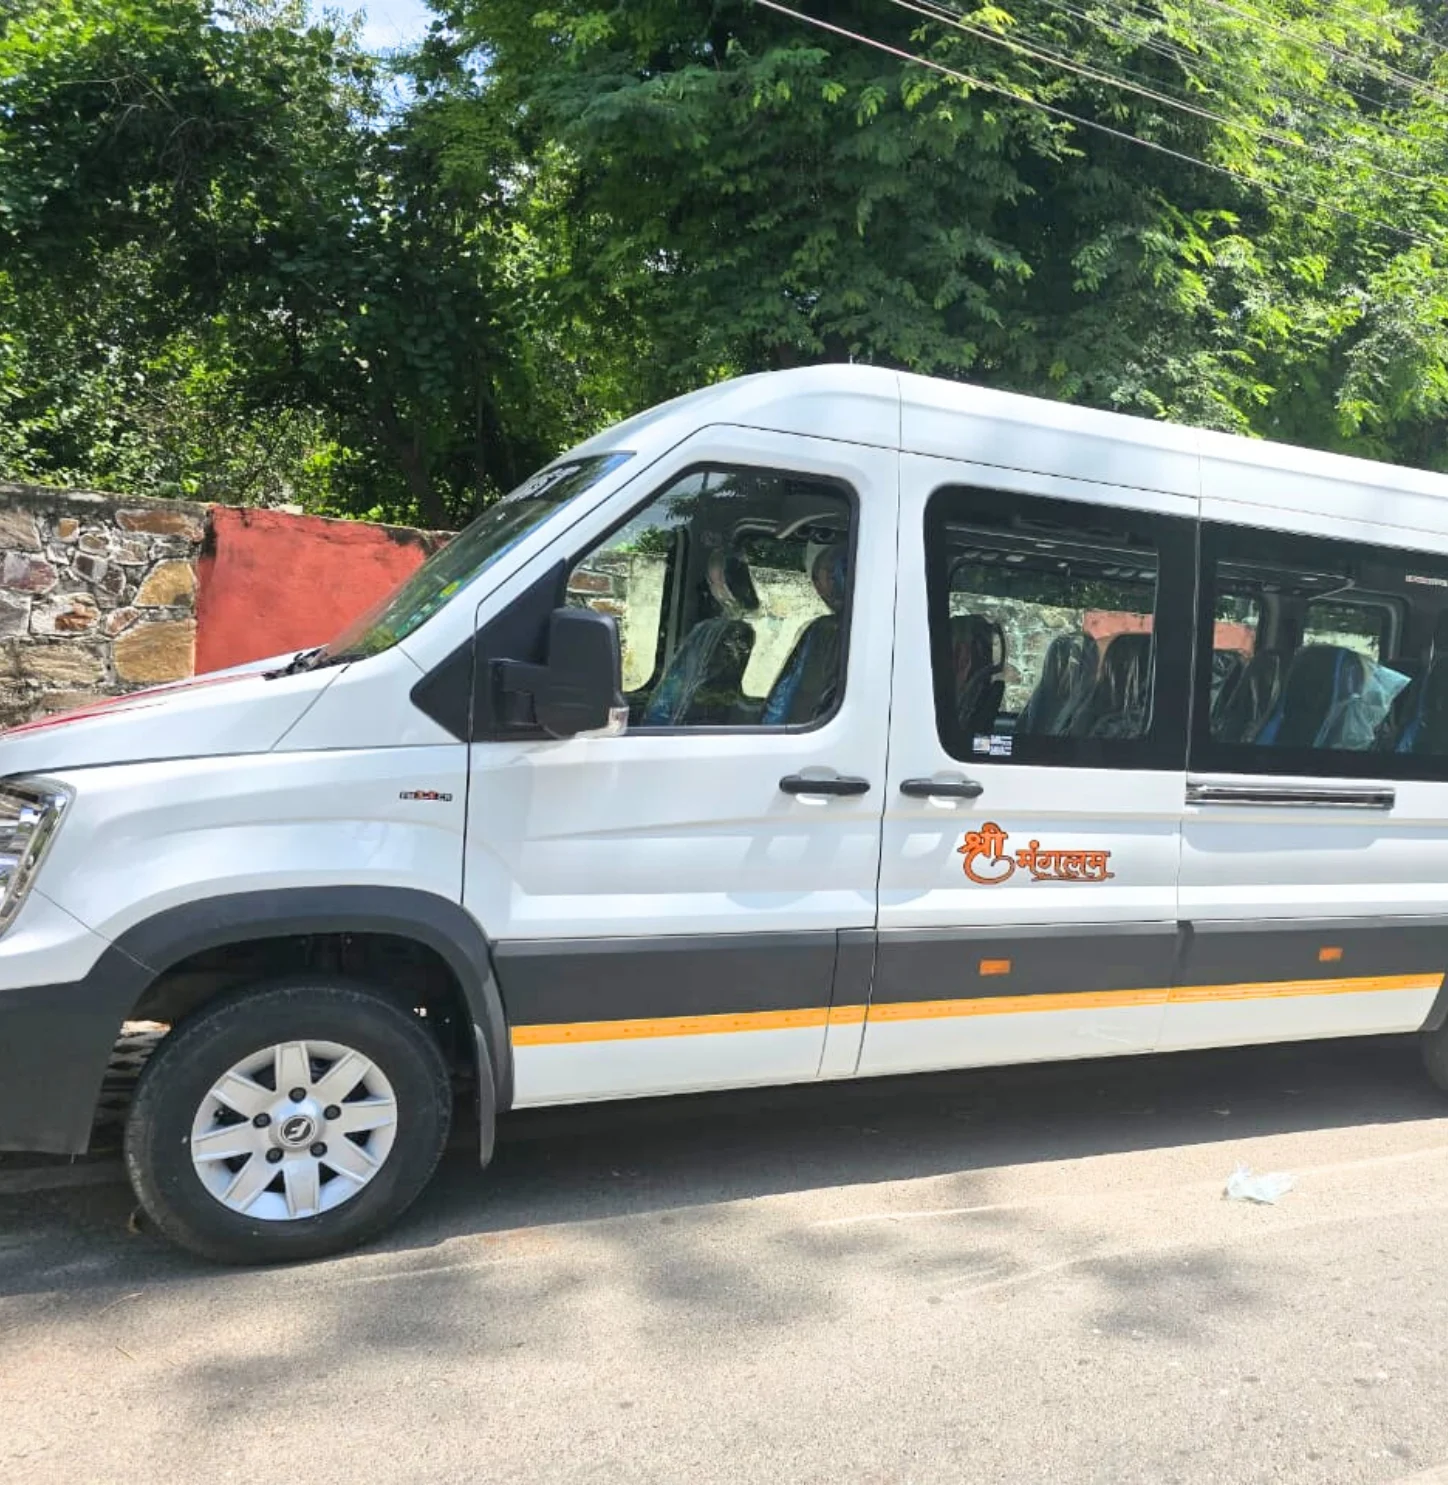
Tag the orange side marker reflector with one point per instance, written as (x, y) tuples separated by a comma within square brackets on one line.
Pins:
[(995, 966), (1328, 956)]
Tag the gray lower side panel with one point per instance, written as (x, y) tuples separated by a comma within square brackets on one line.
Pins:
[(965, 964), (623, 979), (562, 981)]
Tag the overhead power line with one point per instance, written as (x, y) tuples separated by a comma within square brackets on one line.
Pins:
[(941, 13), (1382, 70), (1050, 108), (1368, 15), (1199, 61)]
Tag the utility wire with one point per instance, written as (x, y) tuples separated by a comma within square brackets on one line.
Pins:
[(1186, 55), (941, 13), (1085, 123), (1367, 15), (1371, 65), (1205, 60)]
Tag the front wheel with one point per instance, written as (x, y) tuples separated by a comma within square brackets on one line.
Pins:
[(287, 1122)]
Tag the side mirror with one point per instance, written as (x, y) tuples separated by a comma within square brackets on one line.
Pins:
[(578, 689)]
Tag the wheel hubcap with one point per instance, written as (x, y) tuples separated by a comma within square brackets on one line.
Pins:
[(298, 1130), (293, 1130)]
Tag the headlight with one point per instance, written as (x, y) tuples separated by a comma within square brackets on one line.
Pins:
[(30, 814)]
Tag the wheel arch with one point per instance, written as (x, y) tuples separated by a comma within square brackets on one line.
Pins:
[(160, 942)]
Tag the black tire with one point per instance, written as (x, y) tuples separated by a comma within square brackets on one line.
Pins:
[(191, 1058), (1435, 1056)]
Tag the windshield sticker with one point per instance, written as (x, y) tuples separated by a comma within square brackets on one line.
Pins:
[(988, 863), (1425, 580), (997, 745)]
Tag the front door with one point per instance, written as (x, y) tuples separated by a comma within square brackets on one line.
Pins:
[(666, 905), (1037, 765)]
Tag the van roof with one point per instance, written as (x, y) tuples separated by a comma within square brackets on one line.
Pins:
[(962, 422)]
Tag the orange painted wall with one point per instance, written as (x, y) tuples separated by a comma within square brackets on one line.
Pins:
[(269, 581)]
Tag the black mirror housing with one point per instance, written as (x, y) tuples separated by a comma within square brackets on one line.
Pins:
[(580, 686)]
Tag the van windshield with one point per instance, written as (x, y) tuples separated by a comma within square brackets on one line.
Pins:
[(503, 525)]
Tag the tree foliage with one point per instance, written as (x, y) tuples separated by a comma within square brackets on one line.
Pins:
[(263, 233), (240, 258), (1256, 245)]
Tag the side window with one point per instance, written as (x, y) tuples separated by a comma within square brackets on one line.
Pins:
[(1345, 670), (731, 589), (1059, 633)]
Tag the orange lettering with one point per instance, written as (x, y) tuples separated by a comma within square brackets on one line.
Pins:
[(987, 862), (989, 842)]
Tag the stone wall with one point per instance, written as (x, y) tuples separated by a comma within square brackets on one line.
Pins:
[(97, 596)]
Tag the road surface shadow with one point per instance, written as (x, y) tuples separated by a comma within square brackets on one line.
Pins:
[(658, 1155)]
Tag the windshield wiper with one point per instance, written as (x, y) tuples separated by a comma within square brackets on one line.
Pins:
[(302, 660)]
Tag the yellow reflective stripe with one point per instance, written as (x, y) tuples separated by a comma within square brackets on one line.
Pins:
[(620, 1031), (1006, 1005), (1360, 984), (1091, 1000), (847, 1015), (924, 1010)]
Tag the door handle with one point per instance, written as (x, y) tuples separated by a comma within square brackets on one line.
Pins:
[(1294, 796), (941, 788), (838, 783)]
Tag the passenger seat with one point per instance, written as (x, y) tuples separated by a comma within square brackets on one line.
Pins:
[(1117, 704), (1227, 668), (1427, 732), (705, 679), (1406, 706), (1242, 707), (1319, 680), (1067, 676), (978, 651)]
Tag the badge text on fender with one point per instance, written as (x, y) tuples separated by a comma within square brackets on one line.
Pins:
[(988, 863)]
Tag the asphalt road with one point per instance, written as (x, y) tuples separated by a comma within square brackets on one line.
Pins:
[(1025, 1275)]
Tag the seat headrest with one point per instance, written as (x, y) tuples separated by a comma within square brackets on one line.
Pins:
[(1323, 674), (1319, 678), (973, 639), (1125, 661), (830, 574), (731, 583)]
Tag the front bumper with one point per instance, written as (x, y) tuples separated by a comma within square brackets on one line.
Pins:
[(56, 1035)]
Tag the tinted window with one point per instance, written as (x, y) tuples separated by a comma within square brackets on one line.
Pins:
[(731, 589), (1047, 630), (1345, 671)]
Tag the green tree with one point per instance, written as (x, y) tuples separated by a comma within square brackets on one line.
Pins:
[(284, 234), (92, 394), (238, 261), (755, 192)]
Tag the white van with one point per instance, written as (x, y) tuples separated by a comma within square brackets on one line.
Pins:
[(817, 725)]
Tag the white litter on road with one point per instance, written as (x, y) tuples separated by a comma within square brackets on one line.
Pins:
[(1270, 1188)]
